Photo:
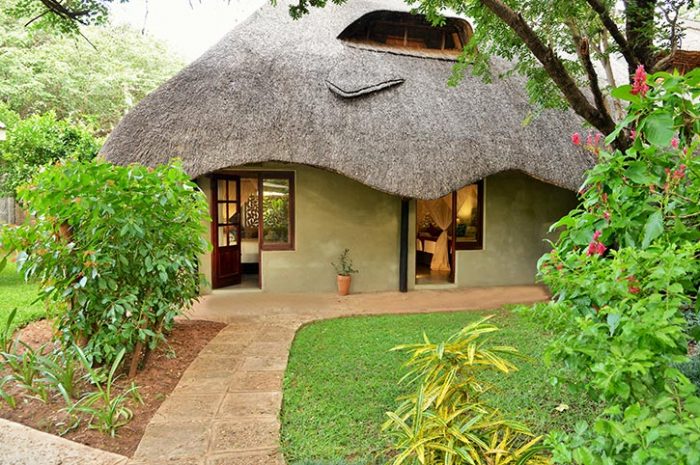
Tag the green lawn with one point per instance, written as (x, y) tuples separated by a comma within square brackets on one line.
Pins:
[(341, 379), (16, 293)]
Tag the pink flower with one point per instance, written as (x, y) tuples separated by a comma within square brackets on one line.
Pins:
[(606, 215), (600, 248), (674, 142), (596, 247), (596, 139), (576, 138), (633, 134), (639, 84), (679, 173), (589, 139)]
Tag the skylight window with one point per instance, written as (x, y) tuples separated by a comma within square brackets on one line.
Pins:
[(408, 34)]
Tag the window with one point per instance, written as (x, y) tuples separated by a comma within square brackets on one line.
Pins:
[(228, 218), (277, 208), (408, 34), (469, 216)]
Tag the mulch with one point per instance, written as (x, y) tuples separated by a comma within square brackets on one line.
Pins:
[(155, 381)]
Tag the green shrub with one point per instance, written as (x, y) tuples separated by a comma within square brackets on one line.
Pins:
[(625, 275), (115, 251), (446, 421)]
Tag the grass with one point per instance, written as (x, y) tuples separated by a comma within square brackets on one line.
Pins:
[(341, 379), (16, 293)]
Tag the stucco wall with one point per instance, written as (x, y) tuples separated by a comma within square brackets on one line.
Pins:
[(518, 212), (332, 213)]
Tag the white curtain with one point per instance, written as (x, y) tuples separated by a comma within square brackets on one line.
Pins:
[(441, 213)]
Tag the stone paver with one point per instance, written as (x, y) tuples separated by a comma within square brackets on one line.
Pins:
[(21, 445), (225, 409)]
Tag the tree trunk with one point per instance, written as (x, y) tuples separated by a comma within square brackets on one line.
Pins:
[(640, 29)]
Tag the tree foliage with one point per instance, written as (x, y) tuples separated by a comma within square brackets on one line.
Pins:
[(39, 140), (41, 71), (115, 251)]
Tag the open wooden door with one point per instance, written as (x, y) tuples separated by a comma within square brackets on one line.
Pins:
[(226, 235)]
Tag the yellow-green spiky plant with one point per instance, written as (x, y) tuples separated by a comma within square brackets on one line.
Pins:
[(445, 421)]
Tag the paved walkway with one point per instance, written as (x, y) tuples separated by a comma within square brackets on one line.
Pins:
[(225, 410), (21, 445)]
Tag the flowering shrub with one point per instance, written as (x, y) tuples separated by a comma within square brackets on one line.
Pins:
[(114, 249), (625, 276)]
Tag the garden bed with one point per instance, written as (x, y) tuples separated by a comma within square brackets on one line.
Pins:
[(341, 379), (157, 379)]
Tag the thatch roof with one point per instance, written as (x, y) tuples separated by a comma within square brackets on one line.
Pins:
[(275, 89)]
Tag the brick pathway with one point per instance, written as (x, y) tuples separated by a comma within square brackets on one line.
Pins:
[(225, 409)]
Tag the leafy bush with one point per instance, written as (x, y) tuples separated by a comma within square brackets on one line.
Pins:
[(445, 421), (40, 140), (625, 274), (114, 249)]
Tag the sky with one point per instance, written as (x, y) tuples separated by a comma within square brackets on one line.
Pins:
[(188, 30)]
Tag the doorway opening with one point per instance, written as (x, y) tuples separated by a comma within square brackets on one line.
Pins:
[(253, 212), (444, 226), (434, 233), (250, 243)]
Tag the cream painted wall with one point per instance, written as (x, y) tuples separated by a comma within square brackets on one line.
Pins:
[(518, 211), (332, 213)]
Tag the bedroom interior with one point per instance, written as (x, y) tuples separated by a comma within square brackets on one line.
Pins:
[(443, 226)]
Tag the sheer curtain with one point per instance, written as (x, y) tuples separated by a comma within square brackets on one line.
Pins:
[(441, 213)]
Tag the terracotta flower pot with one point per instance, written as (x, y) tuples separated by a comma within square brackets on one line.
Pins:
[(344, 284)]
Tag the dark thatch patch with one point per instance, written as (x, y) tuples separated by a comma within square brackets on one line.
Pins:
[(275, 89)]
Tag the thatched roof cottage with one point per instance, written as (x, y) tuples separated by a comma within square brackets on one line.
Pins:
[(339, 131)]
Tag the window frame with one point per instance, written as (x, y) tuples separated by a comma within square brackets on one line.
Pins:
[(290, 244), (479, 243), (357, 34)]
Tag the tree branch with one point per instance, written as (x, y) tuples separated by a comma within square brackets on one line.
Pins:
[(554, 67), (63, 12), (615, 33), (584, 54)]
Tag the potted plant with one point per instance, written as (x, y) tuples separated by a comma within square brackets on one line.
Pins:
[(344, 270)]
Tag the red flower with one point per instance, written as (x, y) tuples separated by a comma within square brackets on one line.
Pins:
[(674, 142), (606, 215), (679, 173), (634, 290), (639, 85), (596, 247), (576, 138)]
